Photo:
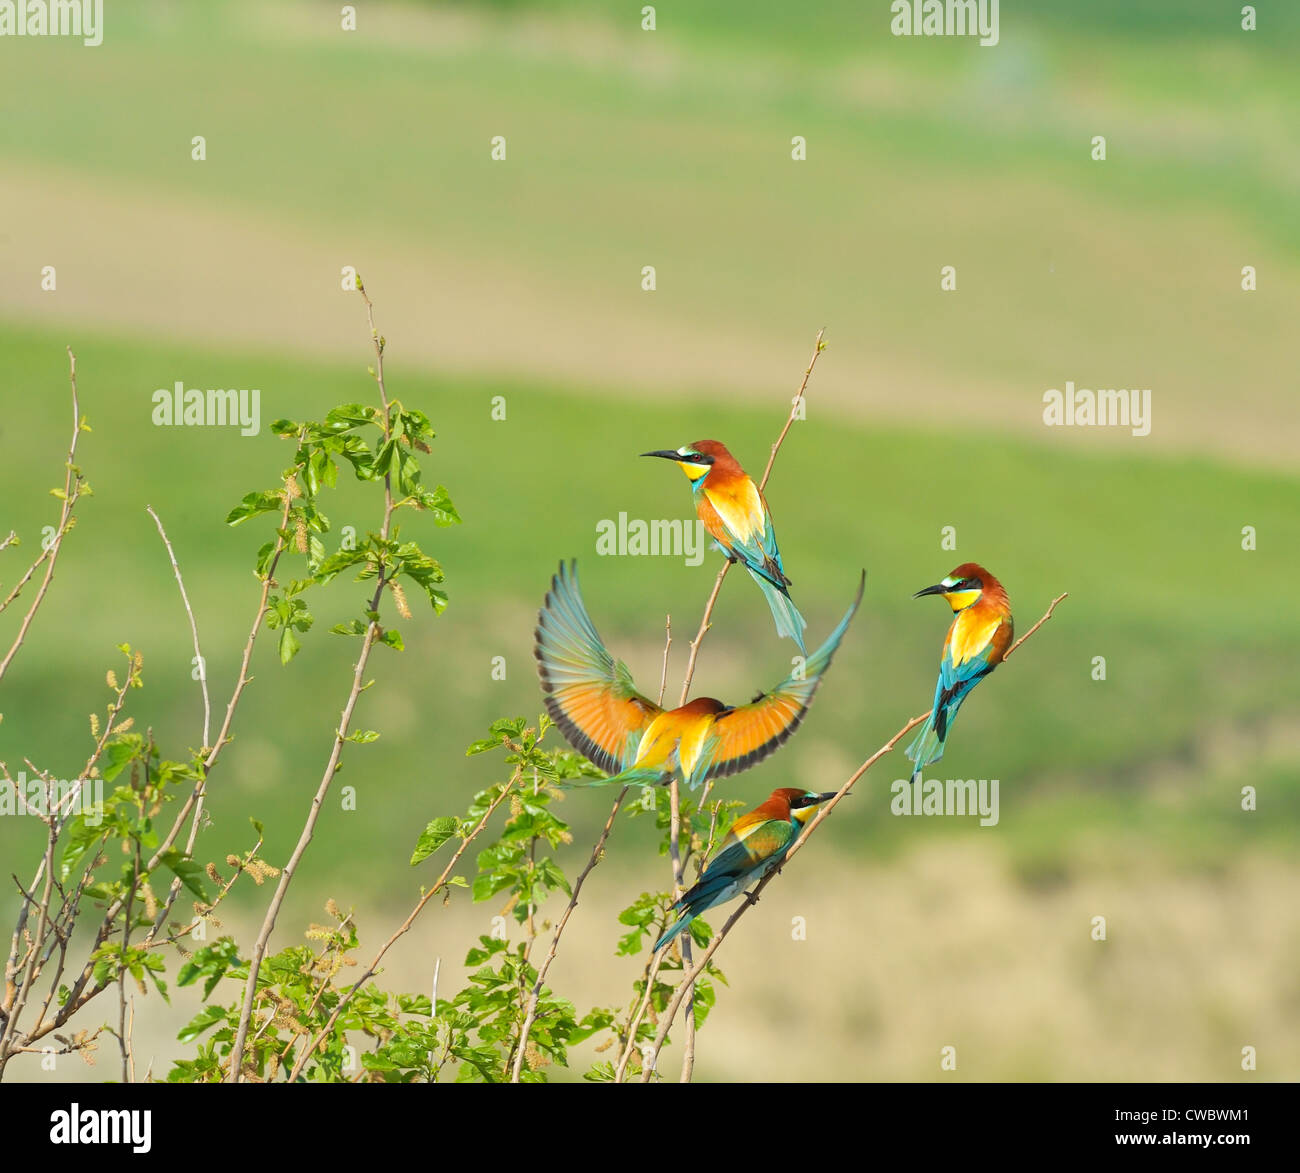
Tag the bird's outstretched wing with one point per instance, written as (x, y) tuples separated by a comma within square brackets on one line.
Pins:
[(746, 734), (588, 694)]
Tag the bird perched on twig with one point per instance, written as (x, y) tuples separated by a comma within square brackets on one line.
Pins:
[(979, 637), (736, 516), (593, 700), (757, 843)]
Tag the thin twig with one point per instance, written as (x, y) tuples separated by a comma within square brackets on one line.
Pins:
[(1007, 654), (194, 627), (818, 347), (123, 1031), (9, 1036), (668, 643), (72, 483), (752, 898)]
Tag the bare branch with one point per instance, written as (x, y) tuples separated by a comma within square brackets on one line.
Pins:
[(72, 486), (194, 627), (818, 347)]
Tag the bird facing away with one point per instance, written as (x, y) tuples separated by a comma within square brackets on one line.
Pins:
[(736, 515), (979, 637), (757, 843), (591, 697)]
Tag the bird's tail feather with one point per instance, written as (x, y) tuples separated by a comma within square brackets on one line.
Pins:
[(929, 743), (788, 620), (926, 748), (682, 922), (710, 890), (632, 776)]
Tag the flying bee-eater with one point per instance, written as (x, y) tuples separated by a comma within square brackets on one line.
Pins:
[(593, 700), (979, 637), (736, 516), (757, 843)]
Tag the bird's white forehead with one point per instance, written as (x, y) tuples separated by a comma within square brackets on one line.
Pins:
[(683, 450)]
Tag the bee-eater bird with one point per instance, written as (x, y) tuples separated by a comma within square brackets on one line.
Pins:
[(757, 843), (591, 697), (979, 637), (736, 516)]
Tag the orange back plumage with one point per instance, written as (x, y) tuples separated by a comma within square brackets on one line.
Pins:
[(777, 805)]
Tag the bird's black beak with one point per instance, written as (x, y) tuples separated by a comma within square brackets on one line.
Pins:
[(827, 796), (937, 589), (666, 453)]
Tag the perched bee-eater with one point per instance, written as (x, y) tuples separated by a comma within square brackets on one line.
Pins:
[(979, 637), (755, 845), (591, 697), (735, 514)]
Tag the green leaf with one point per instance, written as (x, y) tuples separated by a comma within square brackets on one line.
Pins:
[(438, 502), (119, 755), (264, 556), (487, 886), (290, 644), (384, 457), (253, 504), (353, 414), (338, 561), (187, 871), (432, 837), (363, 736), (208, 1016)]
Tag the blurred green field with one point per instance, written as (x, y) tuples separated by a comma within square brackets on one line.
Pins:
[(1124, 539), (521, 280)]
